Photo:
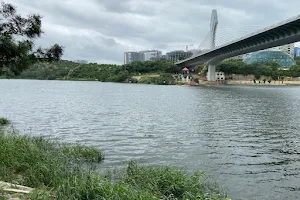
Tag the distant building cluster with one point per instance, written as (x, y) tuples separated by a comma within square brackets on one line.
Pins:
[(178, 55), (174, 56), (133, 56)]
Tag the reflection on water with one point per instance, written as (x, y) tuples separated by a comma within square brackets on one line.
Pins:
[(247, 137)]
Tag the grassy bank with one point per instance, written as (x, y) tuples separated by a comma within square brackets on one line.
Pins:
[(62, 171)]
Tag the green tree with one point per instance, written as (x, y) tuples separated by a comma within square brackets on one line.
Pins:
[(232, 67), (54, 53), (152, 67), (297, 59), (204, 70), (17, 55), (199, 68), (258, 70), (274, 65), (295, 71)]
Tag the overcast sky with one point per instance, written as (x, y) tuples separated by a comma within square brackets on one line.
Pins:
[(102, 30)]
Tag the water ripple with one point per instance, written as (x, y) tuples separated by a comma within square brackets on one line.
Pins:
[(247, 137)]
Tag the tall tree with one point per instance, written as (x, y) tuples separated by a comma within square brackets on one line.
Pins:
[(17, 36), (297, 59)]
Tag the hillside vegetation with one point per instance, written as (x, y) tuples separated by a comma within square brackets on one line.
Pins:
[(67, 70)]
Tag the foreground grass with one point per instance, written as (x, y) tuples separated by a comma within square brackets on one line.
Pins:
[(37, 162), (60, 171)]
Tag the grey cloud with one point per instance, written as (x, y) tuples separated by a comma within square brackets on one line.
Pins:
[(101, 30), (127, 6)]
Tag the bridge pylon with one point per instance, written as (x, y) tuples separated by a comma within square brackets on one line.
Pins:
[(211, 75), (213, 28)]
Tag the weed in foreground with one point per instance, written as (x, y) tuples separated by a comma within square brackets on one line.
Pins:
[(57, 171)]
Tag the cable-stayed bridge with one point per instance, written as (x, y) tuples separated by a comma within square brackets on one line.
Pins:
[(212, 51)]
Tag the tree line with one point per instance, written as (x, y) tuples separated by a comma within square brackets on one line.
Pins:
[(68, 70), (269, 69)]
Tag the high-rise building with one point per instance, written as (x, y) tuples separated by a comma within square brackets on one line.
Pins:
[(163, 58), (151, 55), (288, 48), (130, 57), (178, 55), (296, 52)]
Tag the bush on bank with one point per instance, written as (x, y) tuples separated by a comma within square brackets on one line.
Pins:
[(61, 171), (3, 121), (171, 183), (162, 79)]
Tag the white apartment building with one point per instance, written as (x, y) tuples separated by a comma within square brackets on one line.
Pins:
[(288, 48), (130, 57), (151, 55)]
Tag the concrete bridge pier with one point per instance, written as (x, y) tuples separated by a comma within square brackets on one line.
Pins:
[(211, 74)]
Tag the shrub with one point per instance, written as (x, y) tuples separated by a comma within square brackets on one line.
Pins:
[(162, 79), (3, 121), (196, 80), (89, 154), (170, 183)]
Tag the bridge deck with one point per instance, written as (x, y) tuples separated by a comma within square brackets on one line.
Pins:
[(285, 32)]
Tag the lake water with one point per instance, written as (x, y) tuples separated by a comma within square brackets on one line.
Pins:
[(247, 137)]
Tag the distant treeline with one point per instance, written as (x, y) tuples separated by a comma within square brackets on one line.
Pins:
[(270, 69), (68, 70)]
